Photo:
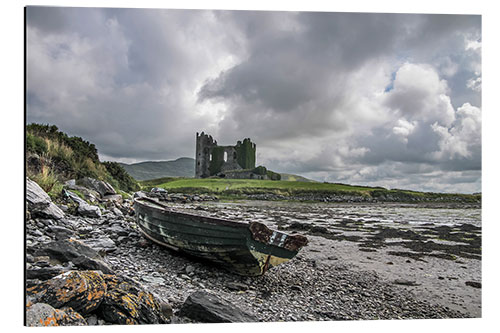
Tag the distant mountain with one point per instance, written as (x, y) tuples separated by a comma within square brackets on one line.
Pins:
[(181, 167), (295, 178)]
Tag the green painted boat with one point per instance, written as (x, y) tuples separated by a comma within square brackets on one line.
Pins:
[(243, 248)]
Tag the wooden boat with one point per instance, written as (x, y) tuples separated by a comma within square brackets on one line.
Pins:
[(243, 248)]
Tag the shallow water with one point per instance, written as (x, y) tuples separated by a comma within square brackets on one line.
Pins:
[(327, 214)]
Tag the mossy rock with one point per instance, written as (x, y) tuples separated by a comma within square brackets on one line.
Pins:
[(83, 291), (127, 303)]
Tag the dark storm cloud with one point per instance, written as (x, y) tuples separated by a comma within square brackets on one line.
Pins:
[(357, 97)]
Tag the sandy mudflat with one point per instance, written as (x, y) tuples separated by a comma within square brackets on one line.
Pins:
[(438, 281), (361, 263)]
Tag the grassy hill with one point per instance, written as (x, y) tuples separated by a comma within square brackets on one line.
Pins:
[(244, 188), (181, 167), (295, 178), (52, 157)]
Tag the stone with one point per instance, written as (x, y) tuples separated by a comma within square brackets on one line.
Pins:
[(71, 250), (81, 290), (61, 232), (473, 284), (101, 187), (139, 194), (43, 273), (42, 314), (39, 202), (84, 209), (126, 302), (102, 244), (71, 182), (116, 198), (117, 212), (92, 320), (236, 286), (190, 269), (153, 279), (405, 282), (203, 307)]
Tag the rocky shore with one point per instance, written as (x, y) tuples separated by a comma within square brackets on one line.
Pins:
[(87, 264)]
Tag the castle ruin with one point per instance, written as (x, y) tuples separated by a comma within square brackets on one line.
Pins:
[(235, 162), (214, 160)]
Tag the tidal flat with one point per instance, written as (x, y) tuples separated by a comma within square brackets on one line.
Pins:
[(434, 250), (363, 261), (429, 253)]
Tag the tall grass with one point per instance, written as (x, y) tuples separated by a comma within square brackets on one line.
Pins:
[(48, 181), (64, 157)]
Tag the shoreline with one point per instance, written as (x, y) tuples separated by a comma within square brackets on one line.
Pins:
[(335, 277)]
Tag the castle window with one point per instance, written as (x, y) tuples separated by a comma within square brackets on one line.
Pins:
[(225, 156), (210, 157)]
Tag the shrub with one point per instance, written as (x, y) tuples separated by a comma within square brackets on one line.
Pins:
[(35, 144), (124, 180), (47, 180), (260, 170)]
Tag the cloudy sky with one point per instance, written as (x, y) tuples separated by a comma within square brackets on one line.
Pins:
[(391, 100)]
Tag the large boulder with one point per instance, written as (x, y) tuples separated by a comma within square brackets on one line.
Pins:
[(126, 302), (83, 291), (39, 202), (207, 308), (80, 254), (42, 314), (99, 186)]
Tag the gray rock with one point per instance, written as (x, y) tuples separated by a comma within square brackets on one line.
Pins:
[(207, 308), (71, 182), (99, 186), (473, 284), (37, 314), (42, 314), (92, 320), (405, 282), (103, 244), (43, 273), (113, 198), (236, 286), (189, 269), (84, 208), (87, 210), (153, 279), (139, 194), (39, 202), (117, 212), (82, 255), (61, 232)]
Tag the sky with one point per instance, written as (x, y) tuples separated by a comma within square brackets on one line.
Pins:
[(390, 100)]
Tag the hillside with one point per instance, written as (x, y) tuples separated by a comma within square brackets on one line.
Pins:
[(300, 191), (295, 178), (181, 167), (52, 157)]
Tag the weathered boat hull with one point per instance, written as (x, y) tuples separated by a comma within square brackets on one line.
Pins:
[(244, 248)]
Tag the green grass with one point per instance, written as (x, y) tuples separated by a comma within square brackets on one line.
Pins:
[(239, 188), (61, 158), (221, 185)]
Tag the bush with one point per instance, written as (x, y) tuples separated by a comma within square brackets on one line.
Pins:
[(35, 144), (273, 175), (124, 180), (260, 170), (47, 180)]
